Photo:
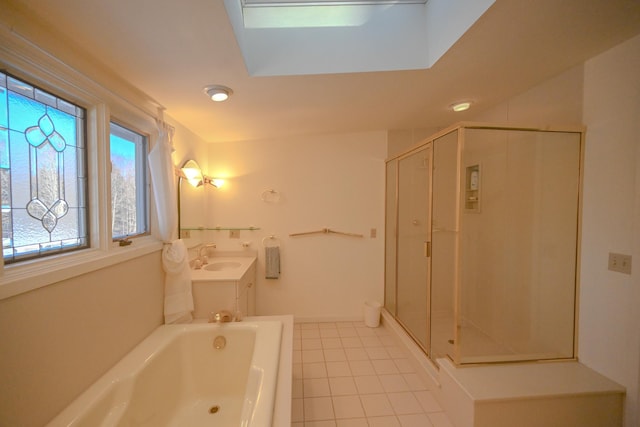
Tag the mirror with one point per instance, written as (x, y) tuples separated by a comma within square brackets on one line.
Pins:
[(191, 203)]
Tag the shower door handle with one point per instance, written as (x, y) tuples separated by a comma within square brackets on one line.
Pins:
[(427, 249)]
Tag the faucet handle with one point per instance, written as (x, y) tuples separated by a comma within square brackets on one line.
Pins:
[(222, 316)]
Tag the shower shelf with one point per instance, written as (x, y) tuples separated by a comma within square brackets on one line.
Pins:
[(250, 228)]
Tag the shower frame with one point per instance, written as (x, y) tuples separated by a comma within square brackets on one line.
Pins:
[(462, 188)]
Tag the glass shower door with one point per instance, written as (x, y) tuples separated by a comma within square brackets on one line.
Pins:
[(414, 233)]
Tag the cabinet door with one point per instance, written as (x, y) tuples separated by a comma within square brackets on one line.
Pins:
[(251, 299), (414, 234), (243, 301)]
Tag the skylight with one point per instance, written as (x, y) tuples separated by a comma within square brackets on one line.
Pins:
[(293, 37), (262, 3)]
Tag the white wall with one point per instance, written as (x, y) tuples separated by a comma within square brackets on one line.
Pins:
[(610, 301), (604, 95), (59, 339), (334, 181)]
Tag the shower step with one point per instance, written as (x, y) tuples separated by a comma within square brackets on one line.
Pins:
[(555, 394)]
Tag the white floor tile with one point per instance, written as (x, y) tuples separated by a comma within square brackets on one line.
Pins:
[(377, 353), (365, 332), (311, 356), (316, 387), (369, 384), (393, 383), (338, 369), (296, 389), (396, 352), (361, 367), (348, 375), (309, 333), (314, 370), (329, 333), (342, 386), (318, 408), (327, 325), (335, 355), (310, 325), (440, 419), (427, 401), (415, 420), (347, 407), (347, 331), (328, 343), (297, 410), (311, 344), (324, 423), (297, 371), (356, 354), (353, 422), (383, 422), (382, 367), (414, 382), (404, 403), (351, 342), (371, 341), (376, 405), (404, 366)]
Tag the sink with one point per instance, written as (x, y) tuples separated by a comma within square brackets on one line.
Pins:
[(222, 266)]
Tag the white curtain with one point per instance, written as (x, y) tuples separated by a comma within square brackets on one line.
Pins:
[(178, 298)]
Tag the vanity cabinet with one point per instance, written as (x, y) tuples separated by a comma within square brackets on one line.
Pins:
[(213, 295)]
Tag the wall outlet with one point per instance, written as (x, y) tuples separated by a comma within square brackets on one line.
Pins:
[(234, 234), (373, 233), (186, 234), (620, 263)]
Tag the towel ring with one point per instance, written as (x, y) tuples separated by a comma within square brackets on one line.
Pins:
[(271, 237), (270, 196)]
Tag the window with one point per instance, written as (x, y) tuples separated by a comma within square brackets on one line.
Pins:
[(129, 200), (42, 172)]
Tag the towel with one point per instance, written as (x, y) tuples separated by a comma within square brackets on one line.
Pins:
[(178, 297), (272, 262)]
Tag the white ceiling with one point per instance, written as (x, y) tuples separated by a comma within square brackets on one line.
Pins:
[(171, 49)]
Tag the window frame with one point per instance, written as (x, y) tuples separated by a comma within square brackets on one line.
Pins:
[(23, 59), (143, 181)]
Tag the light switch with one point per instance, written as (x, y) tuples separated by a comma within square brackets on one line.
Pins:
[(620, 263)]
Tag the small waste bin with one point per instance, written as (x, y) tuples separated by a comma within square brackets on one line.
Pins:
[(372, 313)]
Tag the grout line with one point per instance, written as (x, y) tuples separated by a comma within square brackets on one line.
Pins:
[(381, 349)]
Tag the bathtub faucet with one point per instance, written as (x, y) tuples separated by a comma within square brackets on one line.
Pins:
[(222, 316)]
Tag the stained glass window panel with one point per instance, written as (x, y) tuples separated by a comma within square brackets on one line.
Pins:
[(42, 172)]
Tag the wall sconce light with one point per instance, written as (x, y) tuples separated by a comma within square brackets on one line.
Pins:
[(193, 174), (216, 182), (218, 93)]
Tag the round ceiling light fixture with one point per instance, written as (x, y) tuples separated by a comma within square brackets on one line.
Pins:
[(461, 106), (218, 93)]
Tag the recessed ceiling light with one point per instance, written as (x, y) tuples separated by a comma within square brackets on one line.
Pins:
[(461, 106), (218, 93)]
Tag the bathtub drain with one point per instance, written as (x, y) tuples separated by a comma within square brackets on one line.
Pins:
[(214, 409)]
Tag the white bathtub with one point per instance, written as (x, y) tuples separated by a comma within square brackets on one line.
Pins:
[(176, 377)]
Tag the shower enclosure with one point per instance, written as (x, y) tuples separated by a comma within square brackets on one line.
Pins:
[(482, 229)]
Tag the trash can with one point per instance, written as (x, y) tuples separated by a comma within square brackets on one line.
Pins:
[(372, 313)]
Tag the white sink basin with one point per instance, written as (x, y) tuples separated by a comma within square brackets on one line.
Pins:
[(222, 265)]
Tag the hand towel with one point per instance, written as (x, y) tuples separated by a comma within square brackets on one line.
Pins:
[(178, 297), (272, 262)]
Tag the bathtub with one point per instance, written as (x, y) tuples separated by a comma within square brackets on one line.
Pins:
[(184, 375)]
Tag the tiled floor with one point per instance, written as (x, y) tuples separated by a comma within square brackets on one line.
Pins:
[(348, 375)]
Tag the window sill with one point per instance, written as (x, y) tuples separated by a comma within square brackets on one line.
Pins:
[(30, 275)]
